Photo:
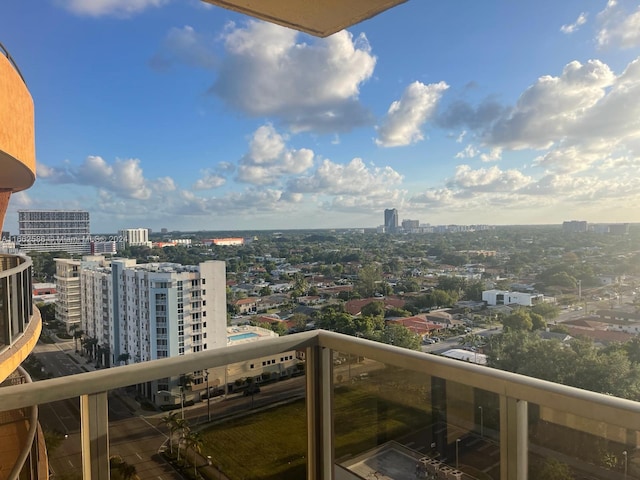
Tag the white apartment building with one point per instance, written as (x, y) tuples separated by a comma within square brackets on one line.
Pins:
[(67, 280), (134, 237), (96, 292), (154, 310), (504, 297)]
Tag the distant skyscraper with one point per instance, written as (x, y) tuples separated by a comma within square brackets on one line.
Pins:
[(134, 237), (391, 220), (54, 231), (410, 225), (574, 226)]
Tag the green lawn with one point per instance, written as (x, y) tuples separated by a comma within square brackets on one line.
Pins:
[(272, 445)]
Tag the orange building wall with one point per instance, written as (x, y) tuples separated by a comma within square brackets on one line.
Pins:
[(17, 135), (4, 203)]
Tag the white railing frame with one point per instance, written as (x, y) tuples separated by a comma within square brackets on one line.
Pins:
[(515, 392)]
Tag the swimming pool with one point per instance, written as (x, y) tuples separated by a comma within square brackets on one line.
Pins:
[(242, 336)]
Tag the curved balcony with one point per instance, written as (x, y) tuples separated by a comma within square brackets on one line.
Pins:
[(20, 323), (17, 132), (25, 456)]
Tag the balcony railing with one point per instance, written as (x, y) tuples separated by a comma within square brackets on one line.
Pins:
[(435, 415)]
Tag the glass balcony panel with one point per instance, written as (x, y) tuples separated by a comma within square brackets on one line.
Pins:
[(60, 423), (401, 423), (586, 448)]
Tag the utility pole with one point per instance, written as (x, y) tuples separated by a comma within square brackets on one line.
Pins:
[(208, 396)]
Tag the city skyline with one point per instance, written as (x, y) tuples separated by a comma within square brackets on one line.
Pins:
[(200, 119)]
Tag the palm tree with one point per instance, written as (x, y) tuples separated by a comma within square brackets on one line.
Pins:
[(127, 471), (170, 421), (194, 441), (77, 333), (182, 426), (124, 357)]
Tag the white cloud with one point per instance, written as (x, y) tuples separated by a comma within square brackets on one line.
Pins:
[(404, 120), (120, 8), (494, 155), (572, 27), (185, 45), (469, 152), (209, 181), (353, 178), (619, 24), (268, 159), (552, 108), (351, 187), (307, 86), (488, 179), (122, 177)]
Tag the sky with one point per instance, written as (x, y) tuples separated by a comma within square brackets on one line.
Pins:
[(176, 114)]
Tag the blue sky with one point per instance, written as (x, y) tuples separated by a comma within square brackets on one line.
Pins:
[(176, 114)]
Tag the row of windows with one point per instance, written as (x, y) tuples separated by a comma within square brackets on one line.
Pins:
[(273, 361)]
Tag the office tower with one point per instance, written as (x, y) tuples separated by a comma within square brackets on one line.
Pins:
[(574, 226), (22, 449), (410, 225), (54, 231), (390, 220)]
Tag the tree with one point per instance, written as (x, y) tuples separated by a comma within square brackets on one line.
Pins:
[(400, 336), (47, 311), (124, 357), (537, 321), (518, 320), (170, 421), (193, 442), (547, 310), (182, 427), (368, 277), (553, 469), (77, 333), (265, 291), (373, 309)]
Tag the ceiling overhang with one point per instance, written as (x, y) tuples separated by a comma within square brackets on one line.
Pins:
[(320, 18)]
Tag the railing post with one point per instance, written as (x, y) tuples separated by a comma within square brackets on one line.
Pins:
[(94, 418), (319, 413), (514, 439)]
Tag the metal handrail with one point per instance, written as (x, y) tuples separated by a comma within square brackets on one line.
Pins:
[(6, 53), (613, 410)]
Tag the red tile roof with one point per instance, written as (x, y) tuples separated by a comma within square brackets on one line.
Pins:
[(354, 307)]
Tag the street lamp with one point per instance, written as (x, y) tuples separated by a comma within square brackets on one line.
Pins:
[(481, 422), (457, 457), (625, 463), (206, 372), (181, 395)]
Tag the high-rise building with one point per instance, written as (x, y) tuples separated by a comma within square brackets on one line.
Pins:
[(123, 305), (54, 231), (390, 220), (574, 226), (410, 225), (134, 237), (67, 279), (144, 312)]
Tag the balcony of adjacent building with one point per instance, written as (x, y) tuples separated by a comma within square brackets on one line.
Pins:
[(22, 452), (348, 408)]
